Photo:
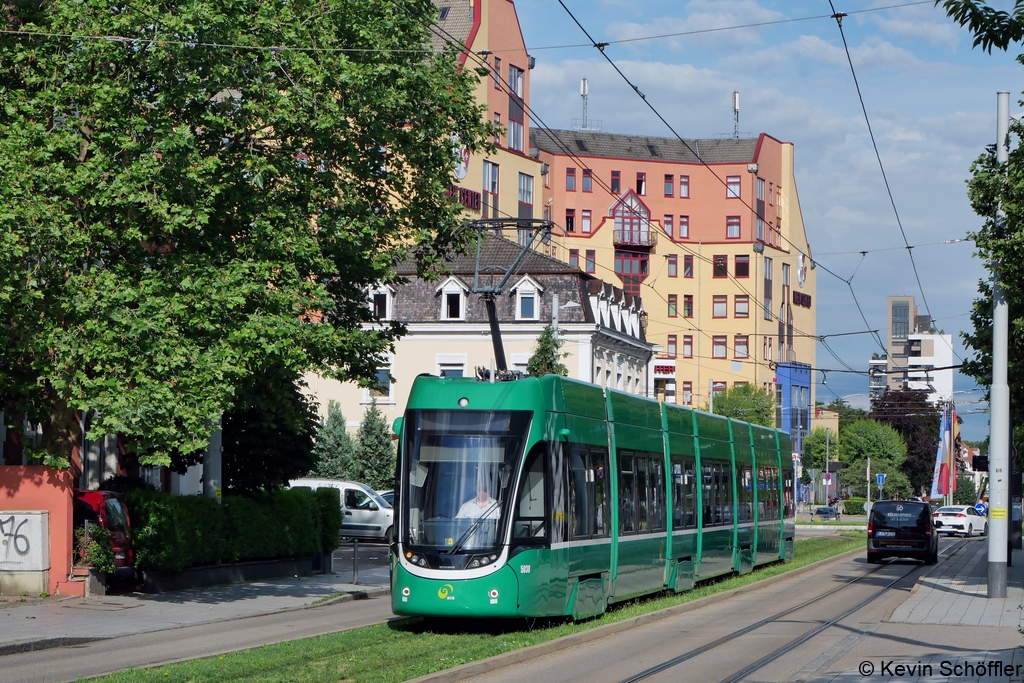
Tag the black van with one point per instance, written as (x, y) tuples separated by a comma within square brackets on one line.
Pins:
[(902, 528)]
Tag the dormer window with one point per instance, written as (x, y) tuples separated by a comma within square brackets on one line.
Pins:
[(381, 302), (453, 299), (527, 292)]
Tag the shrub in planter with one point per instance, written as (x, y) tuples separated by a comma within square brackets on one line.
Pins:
[(171, 532), (92, 548), (854, 506), (297, 510), (328, 509)]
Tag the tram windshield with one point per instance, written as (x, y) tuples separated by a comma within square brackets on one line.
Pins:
[(458, 465)]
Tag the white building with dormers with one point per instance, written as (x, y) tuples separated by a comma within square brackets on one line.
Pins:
[(603, 329)]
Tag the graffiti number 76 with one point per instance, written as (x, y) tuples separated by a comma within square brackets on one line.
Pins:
[(10, 529)]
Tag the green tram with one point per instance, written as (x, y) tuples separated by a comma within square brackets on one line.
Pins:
[(549, 496)]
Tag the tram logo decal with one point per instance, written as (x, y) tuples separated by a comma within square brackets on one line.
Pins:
[(446, 592)]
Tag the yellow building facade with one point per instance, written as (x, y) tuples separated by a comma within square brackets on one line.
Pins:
[(710, 235)]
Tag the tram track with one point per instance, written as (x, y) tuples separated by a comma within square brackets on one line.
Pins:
[(791, 645)]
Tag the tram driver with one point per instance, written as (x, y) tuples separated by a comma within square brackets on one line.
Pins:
[(481, 506)]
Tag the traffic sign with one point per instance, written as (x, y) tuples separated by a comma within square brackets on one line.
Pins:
[(881, 478), (981, 508)]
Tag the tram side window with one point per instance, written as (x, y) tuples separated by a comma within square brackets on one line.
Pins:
[(760, 485), (689, 494), (776, 510), (641, 493), (598, 469), (530, 506), (626, 485), (708, 489), (724, 499), (657, 479), (744, 509), (581, 502), (787, 480), (588, 492)]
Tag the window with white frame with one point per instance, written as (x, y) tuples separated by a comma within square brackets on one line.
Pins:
[(381, 388), (451, 365), (453, 299), (381, 302), (527, 299)]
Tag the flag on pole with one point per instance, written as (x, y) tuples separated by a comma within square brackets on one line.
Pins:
[(954, 448), (940, 478)]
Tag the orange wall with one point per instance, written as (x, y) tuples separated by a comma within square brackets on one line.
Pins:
[(43, 488)]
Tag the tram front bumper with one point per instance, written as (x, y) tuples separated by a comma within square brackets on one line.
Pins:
[(494, 595)]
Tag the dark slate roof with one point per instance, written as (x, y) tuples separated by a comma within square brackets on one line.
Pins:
[(600, 287), (642, 147), (498, 251), (458, 22)]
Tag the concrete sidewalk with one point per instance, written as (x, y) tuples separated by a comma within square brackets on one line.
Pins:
[(954, 593), (55, 622)]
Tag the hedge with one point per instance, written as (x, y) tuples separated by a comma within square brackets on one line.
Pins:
[(854, 506), (171, 533)]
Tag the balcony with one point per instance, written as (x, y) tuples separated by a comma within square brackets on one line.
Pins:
[(635, 238)]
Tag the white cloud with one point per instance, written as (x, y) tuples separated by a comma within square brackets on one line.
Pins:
[(924, 23)]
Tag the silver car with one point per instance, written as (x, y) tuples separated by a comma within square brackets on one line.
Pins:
[(364, 514)]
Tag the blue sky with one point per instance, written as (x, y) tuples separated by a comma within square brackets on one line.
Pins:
[(931, 99)]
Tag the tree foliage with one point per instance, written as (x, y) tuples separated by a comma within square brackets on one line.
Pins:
[(992, 28), (334, 453), (917, 421), (885, 447), (267, 437), (375, 453), (178, 217), (999, 244), (546, 358), (847, 413), (748, 403), (818, 444), (966, 493)]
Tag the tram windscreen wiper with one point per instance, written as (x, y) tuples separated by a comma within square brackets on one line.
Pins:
[(473, 527)]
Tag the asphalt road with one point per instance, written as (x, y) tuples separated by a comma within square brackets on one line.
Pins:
[(862, 634)]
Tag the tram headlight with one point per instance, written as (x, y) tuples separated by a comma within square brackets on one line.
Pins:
[(463, 402), (473, 564)]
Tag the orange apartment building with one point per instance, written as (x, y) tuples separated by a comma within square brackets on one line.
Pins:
[(716, 250)]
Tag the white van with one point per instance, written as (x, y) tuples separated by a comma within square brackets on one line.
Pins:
[(364, 514)]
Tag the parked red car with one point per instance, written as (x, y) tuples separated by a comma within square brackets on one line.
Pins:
[(107, 508)]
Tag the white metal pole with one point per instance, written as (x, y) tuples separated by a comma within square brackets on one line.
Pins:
[(828, 475), (711, 396), (999, 397), (867, 503)]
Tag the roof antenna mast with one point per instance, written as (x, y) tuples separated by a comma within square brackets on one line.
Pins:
[(736, 114), (584, 93)]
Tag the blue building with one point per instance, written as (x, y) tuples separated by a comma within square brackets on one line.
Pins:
[(793, 401)]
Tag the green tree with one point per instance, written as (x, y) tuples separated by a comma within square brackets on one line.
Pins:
[(375, 452), (546, 359), (334, 452), (847, 413), (917, 421), (885, 447), (997, 242), (267, 438), (748, 403), (816, 444), (178, 216), (966, 493)]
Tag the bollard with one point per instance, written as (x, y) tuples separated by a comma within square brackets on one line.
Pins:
[(355, 561)]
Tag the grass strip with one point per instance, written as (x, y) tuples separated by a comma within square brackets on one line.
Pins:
[(389, 653)]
